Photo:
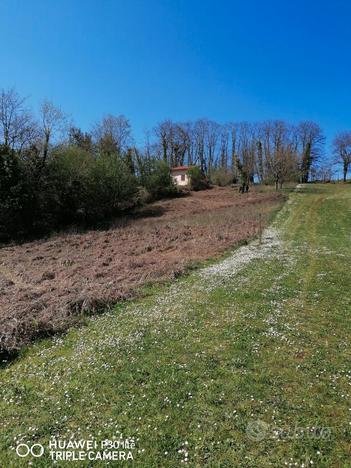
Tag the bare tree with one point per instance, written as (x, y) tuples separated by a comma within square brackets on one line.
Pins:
[(245, 153), (311, 140), (151, 149), (113, 133), (325, 172), (259, 161), (200, 141), (11, 106), (212, 132), (53, 123), (272, 152), (342, 151), (224, 146), (164, 134), (180, 144), (280, 156), (233, 129), (18, 128), (188, 129)]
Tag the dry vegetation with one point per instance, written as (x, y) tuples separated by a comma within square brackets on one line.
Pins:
[(47, 285)]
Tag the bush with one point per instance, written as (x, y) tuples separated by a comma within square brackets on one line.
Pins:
[(88, 188), (74, 187), (64, 186), (198, 180), (15, 197), (221, 177), (155, 177), (111, 187)]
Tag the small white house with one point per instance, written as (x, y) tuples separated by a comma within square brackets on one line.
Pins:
[(180, 175)]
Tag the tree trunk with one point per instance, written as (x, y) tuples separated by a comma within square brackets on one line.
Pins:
[(345, 170)]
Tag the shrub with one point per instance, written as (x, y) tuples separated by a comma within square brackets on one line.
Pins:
[(155, 177), (221, 177), (111, 187), (65, 184), (74, 187), (198, 180), (15, 197)]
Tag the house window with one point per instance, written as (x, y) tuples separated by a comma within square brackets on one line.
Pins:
[(182, 177)]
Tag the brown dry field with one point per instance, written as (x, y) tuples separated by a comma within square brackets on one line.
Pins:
[(48, 285)]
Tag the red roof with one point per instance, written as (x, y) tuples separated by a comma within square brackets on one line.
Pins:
[(180, 168)]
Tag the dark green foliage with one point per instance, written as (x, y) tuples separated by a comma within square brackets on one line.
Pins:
[(15, 197), (64, 185), (222, 177), (111, 187), (306, 163), (80, 187), (198, 179), (128, 160), (81, 139), (74, 187), (155, 177)]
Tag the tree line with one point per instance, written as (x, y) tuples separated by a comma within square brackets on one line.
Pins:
[(270, 151), (54, 174)]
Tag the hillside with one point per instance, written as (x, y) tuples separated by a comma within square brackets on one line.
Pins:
[(48, 285), (245, 362)]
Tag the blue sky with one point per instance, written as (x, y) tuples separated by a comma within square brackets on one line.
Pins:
[(153, 59)]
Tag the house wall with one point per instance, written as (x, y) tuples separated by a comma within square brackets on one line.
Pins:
[(177, 177)]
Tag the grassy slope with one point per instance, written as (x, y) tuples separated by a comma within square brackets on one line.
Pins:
[(188, 368)]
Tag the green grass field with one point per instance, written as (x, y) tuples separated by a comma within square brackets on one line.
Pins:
[(243, 363)]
